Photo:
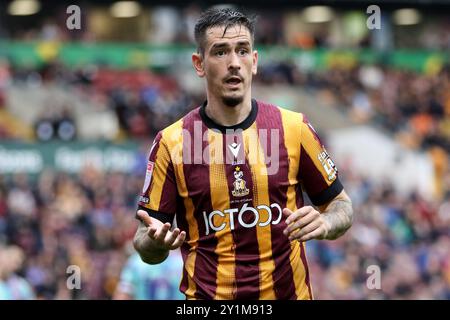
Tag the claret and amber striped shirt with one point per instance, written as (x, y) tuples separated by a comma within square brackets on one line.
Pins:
[(227, 187)]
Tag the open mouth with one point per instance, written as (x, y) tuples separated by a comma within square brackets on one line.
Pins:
[(233, 81)]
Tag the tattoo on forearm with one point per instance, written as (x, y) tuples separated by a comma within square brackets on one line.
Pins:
[(339, 215)]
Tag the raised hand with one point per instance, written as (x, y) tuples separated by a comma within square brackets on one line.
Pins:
[(160, 233)]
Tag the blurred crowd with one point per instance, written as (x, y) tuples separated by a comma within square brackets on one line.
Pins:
[(140, 102), (413, 106), (304, 27), (54, 221), (403, 239)]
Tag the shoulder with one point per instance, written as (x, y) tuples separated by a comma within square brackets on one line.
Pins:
[(290, 119), (25, 288), (173, 131)]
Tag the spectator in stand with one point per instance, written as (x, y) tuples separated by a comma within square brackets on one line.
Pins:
[(12, 285), (140, 281)]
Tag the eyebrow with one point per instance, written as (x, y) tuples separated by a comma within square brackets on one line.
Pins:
[(243, 43), (220, 45), (226, 45)]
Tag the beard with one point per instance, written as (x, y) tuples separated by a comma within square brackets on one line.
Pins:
[(232, 101)]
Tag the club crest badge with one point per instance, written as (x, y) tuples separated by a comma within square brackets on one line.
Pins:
[(239, 184)]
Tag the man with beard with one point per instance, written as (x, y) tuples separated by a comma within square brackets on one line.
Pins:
[(232, 173)]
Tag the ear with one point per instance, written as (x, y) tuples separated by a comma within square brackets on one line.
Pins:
[(255, 62), (197, 62)]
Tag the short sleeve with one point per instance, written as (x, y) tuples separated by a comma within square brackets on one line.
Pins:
[(317, 172), (159, 193)]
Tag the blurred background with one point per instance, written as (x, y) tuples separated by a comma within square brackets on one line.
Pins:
[(80, 107)]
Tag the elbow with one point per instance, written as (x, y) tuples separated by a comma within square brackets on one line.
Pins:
[(347, 227), (349, 221), (339, 233)]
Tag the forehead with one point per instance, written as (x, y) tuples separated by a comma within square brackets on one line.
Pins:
[(233, 33)]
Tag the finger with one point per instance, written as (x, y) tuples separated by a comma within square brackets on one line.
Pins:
[(298, 214), (171, 237), (316, 234), (305, 230), (179, 241), (144, 217), (302, 222), (287, 212), (151, 232), (161, 234)]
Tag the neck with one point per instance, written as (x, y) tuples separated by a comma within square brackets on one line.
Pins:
[(225, 115)]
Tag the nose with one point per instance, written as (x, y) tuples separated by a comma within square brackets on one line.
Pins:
[(234, 62)]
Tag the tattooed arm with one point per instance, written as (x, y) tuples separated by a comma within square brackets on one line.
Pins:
[(333, 220), (338, 214)]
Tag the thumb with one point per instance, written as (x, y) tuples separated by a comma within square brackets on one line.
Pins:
[(144, 217)]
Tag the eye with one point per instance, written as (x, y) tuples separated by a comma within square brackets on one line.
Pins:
[(220, 53), (242, 51)]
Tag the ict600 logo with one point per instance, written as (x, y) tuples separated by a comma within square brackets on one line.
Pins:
[(273, 210)]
